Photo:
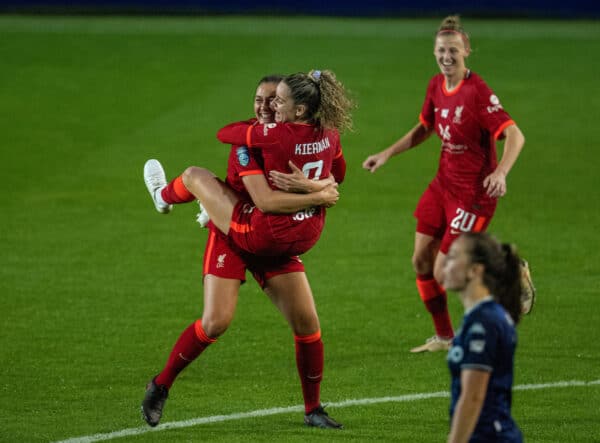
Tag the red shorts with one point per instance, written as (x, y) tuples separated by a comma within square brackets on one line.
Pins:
[(275, 234), (441, 215), (225, 260)]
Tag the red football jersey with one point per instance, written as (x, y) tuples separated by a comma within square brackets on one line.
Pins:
[(243, 161), (260, 148), (469, 119), (311, 149)]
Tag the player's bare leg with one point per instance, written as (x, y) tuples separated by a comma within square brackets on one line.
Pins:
[(216, 197), (292, 295), (220, 301)]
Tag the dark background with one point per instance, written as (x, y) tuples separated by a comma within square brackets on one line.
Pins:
[(372, 8)]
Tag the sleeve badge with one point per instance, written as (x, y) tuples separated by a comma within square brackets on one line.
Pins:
[(243, 156)]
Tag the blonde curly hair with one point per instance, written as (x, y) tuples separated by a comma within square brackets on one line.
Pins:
[(325, 97)]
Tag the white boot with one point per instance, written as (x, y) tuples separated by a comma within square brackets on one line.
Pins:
[(154, 176)]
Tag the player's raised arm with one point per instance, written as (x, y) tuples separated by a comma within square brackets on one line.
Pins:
[(412, 138)]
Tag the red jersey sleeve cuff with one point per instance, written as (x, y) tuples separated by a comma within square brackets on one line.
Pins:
[(251, 172), (424, 122), (249, 135), (502, 127)]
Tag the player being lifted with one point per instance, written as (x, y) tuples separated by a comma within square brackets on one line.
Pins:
[(308, 108)]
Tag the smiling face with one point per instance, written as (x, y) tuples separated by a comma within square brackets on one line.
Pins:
[(450, 54), (284, 106), (265, 94)]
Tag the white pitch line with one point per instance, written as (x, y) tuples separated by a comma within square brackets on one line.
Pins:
[(299, 408)]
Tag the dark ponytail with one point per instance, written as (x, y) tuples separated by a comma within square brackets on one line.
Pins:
[(502, 270), (508, 293)]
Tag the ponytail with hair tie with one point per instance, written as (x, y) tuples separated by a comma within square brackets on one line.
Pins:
[(315, 74)]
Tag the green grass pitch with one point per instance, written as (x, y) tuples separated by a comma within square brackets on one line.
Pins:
[(96, 286)]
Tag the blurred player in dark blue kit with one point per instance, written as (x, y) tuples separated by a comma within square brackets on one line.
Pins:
[(487, 277)]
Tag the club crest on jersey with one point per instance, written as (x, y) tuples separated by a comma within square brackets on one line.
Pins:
[(242, 155), (457, 114), (477, 346)]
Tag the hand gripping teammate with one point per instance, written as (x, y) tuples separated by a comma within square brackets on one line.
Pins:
[(282, 278), (468, 118), (487, 277)]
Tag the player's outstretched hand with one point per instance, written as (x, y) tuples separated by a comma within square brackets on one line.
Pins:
[(373, 162), (495, 184)]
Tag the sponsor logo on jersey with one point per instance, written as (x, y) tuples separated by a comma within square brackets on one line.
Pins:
[(454, 149), (496, 106), (476, 328), (243, 156), (304, 214), (477, 346)]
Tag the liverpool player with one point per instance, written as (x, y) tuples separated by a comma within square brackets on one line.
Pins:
[(282, 278), (309, 140), (468, 118)]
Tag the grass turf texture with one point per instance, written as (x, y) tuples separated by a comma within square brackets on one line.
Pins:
[(97, 286)]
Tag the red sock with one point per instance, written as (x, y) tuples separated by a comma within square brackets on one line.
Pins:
[(189, 346), (435, 299), (176, 192), (309, 360)]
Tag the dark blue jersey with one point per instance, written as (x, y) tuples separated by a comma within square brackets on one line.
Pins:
[(486, 341)]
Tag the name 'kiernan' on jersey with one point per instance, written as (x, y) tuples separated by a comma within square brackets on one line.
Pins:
[(317, 152)]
